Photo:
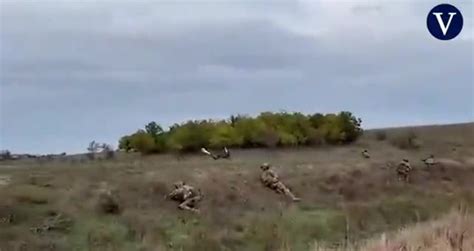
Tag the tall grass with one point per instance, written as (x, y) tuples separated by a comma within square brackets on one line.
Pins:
[(452, 232)]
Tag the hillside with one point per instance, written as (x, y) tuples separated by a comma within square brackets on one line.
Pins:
[(346, 199)]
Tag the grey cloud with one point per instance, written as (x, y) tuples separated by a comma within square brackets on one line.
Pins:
[(367, 8), (79, 72)]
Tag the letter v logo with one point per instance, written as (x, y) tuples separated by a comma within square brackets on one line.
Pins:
[(444, 22), (444, 28)]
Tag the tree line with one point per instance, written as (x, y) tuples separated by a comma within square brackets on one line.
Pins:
[(268, 129)]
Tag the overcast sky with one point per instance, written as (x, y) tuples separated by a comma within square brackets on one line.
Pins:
[(75, 71)]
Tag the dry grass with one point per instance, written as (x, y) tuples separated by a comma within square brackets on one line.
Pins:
[(406, 140), (346, 198), (452, 232)]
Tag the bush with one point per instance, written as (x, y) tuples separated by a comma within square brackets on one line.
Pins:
[(125, 143), (191, 136), (315, 137), (143, 142), (225, 135), (270, 138), (287, 139), (349, 127), (252, 131), (266, 130)]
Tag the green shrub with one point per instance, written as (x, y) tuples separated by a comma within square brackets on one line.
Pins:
[(349, 126), (287, 139), (315, 137), (266, 130), (317, 120), (191, 136), (252, 131), (143, 142), (225, 135), (125, 143), (270, 138)]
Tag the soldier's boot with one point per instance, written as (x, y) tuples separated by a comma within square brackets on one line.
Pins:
[(225, 153), (205, 151), (293, 197), (283, 189), (188, 205), (403, 177)]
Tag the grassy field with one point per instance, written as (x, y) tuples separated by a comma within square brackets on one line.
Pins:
[(348, 202)]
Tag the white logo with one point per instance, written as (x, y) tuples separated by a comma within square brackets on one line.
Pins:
[(444, 22), (444, 27)]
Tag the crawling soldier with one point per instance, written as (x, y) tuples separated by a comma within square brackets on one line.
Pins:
[(270, 179), (224, 155), (186, 195)]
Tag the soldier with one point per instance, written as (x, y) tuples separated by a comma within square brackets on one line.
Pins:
[(270, 179), (205, 151), (186, 195), (430, 161), (403, 170), (224, 155), (366, 154)]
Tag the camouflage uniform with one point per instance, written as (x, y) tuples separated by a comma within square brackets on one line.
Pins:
[(403, 170), (429, 161), (224, 155), (186, 195), (270, 179), (366, 154)]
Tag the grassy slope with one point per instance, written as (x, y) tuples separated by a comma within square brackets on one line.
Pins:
[(452, 232), (345, 198)]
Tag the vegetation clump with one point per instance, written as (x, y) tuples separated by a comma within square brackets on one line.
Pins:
[(268, 129)]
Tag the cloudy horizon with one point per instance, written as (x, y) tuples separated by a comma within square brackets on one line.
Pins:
[(72, 72)]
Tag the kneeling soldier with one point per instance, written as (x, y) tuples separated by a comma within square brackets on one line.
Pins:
[(403, 170), (366, 154)]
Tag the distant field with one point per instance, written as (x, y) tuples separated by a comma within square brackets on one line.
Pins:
[(346, 199)]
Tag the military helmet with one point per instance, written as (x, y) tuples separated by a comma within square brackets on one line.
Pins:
[(265, 166), (405, 160)]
